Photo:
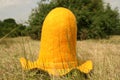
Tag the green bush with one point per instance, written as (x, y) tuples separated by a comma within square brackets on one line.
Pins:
[(10, 28)]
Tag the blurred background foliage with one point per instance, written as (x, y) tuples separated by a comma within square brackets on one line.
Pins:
[(94, 19), (8, 25)]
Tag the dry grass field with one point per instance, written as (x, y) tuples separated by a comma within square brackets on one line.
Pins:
[(104, 53)]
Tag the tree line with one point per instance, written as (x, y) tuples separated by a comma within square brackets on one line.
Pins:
[(94, 18), (10, 28)]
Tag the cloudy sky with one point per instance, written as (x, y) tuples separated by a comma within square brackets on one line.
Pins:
[(17, 9), (21, 9), (113, 3)]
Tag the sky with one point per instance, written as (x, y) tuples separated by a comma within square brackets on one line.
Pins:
[(17, 9), (113, 3), (21, 9)]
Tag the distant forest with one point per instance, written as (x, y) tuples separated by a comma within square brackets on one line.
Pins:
[(94, 19)]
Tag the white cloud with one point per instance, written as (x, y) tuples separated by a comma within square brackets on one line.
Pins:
[(7, 3), (17, 9)]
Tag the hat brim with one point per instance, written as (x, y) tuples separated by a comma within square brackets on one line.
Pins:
[(86, 67)]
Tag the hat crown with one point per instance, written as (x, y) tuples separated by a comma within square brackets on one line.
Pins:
[(58, 39)]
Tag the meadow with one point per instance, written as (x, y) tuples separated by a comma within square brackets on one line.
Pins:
[(105, 54)]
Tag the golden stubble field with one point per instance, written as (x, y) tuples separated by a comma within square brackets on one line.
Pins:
[(104, 53)]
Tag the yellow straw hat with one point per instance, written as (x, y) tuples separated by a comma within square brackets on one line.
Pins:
[(58, 45)]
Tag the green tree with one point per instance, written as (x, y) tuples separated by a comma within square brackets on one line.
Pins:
[(8, 25), (9, 20), (94, 20)]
